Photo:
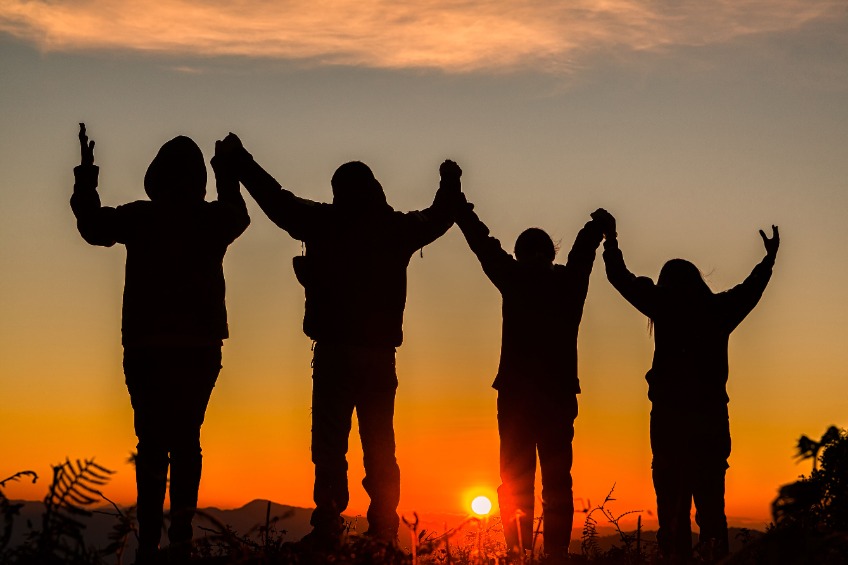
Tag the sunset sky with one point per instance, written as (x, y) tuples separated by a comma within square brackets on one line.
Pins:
[(694, 123)]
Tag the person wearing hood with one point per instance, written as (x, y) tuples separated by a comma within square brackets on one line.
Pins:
[(354, 274), (174, 317), (687, 386), (537, 382)]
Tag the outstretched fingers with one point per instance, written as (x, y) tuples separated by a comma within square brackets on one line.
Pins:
[(771, 244), (86, 147)]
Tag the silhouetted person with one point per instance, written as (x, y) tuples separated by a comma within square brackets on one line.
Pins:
[(537, 380), (354, 275), (174, 317), (690, 430)]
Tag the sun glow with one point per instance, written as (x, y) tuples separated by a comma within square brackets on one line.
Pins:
[(481, 506)]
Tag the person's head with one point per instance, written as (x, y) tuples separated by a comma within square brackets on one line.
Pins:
[(536, 247), (682, 276), (177, 173), (354, 186)]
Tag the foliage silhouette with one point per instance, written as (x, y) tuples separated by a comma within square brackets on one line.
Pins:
[(74, 490), (8, 509), (811, 514), (631, 549)]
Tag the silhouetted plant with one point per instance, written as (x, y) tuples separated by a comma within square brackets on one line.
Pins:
[(809, 449), (74, 489), (10, 510), (819, 501), (811, 514), (125, 525), (631, 549)]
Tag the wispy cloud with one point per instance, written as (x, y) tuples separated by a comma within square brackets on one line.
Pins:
[(452, 35)]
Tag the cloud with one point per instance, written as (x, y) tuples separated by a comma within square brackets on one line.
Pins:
[(451, 35)]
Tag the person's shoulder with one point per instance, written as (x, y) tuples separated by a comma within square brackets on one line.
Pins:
[(137, 207)]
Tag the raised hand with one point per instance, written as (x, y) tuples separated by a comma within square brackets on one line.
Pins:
[(449, 170), (772, 244), (606, 221), (86, 147), (229, 146)]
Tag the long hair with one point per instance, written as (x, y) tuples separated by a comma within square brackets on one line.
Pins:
[(684, 279)]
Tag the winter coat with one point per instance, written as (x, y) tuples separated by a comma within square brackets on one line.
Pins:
[(357, 252), (542, 307), (174, 285), (691, 333)]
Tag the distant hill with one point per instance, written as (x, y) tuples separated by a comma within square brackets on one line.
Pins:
[(247, 519), (294, 521)]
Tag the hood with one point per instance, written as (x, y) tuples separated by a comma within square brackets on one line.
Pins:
[(177, 173), (355, 188)]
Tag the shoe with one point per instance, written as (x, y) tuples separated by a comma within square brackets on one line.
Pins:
[(320, 541), (179, 552), (387, 536), (146, 556)]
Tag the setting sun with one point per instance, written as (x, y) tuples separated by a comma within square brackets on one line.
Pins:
[(481, 505)]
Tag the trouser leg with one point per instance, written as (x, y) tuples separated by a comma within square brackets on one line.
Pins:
[(375, 411), (674, 503), (670, 443), (710, 516), (332, 410), (144, 382), (708, 484), (169, 389), (197, 373), (151, 475), (518, 471), (556, 432)]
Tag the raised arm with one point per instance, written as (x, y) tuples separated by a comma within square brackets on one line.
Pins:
[(428, 225), (495, 261), (641, 292), (297, 216), (581, 258), (98, 225), (741, 299), (230, 206)]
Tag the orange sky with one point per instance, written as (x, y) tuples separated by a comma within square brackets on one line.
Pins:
[(696, 127)]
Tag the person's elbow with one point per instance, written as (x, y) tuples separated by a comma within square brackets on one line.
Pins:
[(96, 237)]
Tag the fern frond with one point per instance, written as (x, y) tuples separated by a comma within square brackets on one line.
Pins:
[(73, 490)]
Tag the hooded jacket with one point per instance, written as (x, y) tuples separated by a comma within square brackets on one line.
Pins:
[(691, 333), (174, 284), (542, 308), (357, 252)]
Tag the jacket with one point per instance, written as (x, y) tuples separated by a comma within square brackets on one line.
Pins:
[(690, 366), (174, 291), (542, 307), (357, 252)]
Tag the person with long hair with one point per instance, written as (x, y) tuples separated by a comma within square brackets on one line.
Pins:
[(690, 427)]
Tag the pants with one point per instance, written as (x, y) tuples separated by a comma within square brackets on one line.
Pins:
[(527, 423), (169, 389), (690, 450), (362, 378)]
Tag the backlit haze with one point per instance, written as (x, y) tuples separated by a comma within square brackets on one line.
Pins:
[(695, 124)]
